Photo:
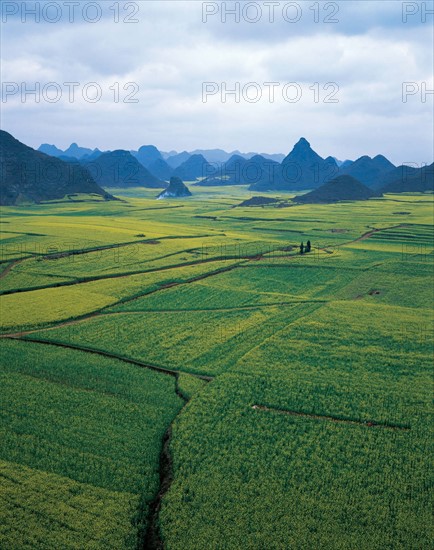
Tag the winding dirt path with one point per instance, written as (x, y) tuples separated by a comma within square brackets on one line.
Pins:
[(101, 311), (242, 263), (12, 265), (149, 539), (376, 230), (211, 309), (81, 252), (83, 280), (135, 362)]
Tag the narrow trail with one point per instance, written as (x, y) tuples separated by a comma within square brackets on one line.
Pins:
[(373, 231), (61, 324), (367, 424), (78, 320), (135, 362), (211, 309), (13, 264), (83, 280), (102, 310), (162, 311), (242, 263), (149, 538), (81, 252), (131, 298)]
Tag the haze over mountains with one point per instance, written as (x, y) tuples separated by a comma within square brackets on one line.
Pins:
[(301, 169), (73, 151), (369, 171), (94, 171), (150, 153), (176, 160), (232, 172), (217, 167)]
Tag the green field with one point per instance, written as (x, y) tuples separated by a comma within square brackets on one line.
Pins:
[(291, 395)]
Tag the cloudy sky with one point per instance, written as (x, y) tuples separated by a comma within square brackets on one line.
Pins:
[(333, 72)]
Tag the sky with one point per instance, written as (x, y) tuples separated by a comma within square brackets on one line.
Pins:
[(352, 77)]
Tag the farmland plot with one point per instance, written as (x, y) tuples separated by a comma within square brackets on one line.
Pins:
[(310, 418), (80, 442)]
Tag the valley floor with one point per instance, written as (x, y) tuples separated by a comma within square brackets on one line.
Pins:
[(176, 374)]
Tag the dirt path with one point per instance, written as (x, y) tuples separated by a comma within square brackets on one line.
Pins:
[(211, 309), (77, 281), (77, 320), (81, 252), (122, 301), (148, 536), (373, 231), (242, 263), (11, 266), (151, 538), (110, 355), (122, 275), (368, 424)]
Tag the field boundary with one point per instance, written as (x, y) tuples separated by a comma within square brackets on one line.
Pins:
[(311, 416), (235, 308), (136, 362), (83, 280), (149, 537)]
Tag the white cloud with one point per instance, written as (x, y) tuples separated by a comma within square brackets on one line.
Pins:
[(171, 52)]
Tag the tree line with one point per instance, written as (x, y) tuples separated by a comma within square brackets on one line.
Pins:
[(305, 249)]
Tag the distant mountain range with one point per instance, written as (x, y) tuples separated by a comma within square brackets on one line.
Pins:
[(148, 154), (232, 172), (369, 171), (177, 159), (193, 168), (304, 169), (121, 169), (241, 171), (151, 158), (407, 179), (301, 169), (73, 151), (27, 175), (219, 156)]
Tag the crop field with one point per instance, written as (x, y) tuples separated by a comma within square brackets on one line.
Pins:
[(86, 430), (177, 375)]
